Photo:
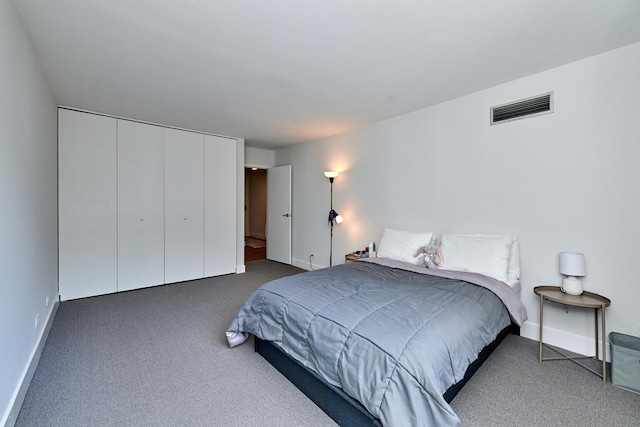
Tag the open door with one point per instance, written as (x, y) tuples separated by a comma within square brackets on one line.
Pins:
[(279, 214)]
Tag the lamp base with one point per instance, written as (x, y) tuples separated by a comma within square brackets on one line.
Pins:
[(572, 286)]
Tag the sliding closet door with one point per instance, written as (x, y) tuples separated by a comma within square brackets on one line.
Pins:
[(220, 205), (140, 205), (184, 206), (87, 204)]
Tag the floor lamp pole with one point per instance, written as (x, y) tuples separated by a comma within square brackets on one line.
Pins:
[(333, 215), (331, 223), (331, 247)]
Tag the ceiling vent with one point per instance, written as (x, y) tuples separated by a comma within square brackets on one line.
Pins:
[(522, 109)]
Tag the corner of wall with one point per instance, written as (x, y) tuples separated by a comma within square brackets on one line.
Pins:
[(240, 206)]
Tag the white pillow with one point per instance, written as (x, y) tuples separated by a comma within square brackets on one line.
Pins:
[(478, 253), (513, 272), (401, 245)]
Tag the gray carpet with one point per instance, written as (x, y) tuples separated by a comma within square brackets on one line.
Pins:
[(158, 357), (513, 389)]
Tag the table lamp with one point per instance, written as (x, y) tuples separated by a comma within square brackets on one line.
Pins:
[(573, 266)]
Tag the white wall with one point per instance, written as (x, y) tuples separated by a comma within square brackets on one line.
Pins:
[(240, 265), (259, 158), (567, 181), (28, 242)]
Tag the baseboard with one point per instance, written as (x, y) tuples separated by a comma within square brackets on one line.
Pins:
[(305, 264), (241, 268), (9, 418), (568, 341)]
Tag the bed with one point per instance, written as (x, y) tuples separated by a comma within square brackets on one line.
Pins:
[(381, 341)]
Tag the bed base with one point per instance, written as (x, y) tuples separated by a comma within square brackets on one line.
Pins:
[(341, 407)]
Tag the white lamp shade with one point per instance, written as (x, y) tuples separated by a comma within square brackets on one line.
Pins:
[(330, 174), (572, 264)]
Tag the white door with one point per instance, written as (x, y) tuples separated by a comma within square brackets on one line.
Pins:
[(220, 205), (87, 204), (184, 206), (279, 214), (140, 205)]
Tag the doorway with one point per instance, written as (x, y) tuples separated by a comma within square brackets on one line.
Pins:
[(255, 214)]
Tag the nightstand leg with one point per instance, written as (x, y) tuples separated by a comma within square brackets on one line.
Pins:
[(604, 348), (540, 340), (597, 327)]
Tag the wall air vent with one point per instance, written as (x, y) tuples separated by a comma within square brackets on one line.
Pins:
[(522, 109)]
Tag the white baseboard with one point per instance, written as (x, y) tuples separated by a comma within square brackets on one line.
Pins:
[(10, 416), (241, 268), (568, 341), (305, 264)]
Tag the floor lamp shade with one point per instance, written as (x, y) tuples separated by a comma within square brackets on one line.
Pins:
[(335, 216), (331, 175)]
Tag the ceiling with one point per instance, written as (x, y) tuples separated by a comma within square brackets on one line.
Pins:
[(281, 72)]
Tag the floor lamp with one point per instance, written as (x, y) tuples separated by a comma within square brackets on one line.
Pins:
[(333, 215)]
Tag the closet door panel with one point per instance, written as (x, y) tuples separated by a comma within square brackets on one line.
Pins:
[(184, 206), (220, 205), (87, 204), (140, 205)]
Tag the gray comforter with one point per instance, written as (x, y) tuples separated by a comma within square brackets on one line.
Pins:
[(392, 339)]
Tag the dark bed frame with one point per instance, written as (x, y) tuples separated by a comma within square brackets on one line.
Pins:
[(342, 408)]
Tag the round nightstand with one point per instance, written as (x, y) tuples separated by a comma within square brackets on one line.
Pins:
[(585, 300), (352, 257)]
